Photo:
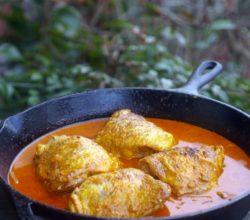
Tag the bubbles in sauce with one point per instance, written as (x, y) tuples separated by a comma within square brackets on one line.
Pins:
[(234, 180)]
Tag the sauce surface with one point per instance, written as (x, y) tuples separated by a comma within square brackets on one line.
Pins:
[(234, 180)]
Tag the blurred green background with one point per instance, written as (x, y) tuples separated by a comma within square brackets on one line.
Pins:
[(53, 48)]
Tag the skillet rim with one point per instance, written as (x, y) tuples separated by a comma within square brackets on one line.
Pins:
[(178, 91), (175, 217)]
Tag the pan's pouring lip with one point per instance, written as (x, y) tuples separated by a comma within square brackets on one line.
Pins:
[(130, 89)]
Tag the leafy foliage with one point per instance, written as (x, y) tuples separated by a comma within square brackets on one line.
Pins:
[(52, 49)]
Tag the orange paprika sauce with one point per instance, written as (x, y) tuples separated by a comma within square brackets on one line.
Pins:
[(234, 180)]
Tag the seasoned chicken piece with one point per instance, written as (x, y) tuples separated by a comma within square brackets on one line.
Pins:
[(66, 161), (124, 193), (129, 135), (186, 170)]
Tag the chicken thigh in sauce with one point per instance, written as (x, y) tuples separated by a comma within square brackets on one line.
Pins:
[(123, 193), (66, 161), (129, 135), (186, 169)]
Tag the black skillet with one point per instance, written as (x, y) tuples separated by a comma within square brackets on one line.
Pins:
[(183, 104)]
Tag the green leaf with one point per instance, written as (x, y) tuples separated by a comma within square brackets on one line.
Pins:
[(9, 53), (207, 42), (152, 8), (118, 24), (170, 33), (36, 76), (217, 91), (166, 83), (80, 69), (180, 38), (6, 89), (66, 21), (222, 24), (33, 97)]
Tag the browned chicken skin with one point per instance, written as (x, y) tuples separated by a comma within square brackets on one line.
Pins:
[(129, 135), (186, 169), (124, 193), (66, 161)]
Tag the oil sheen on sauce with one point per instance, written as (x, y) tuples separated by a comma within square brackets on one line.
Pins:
[(234, 180)]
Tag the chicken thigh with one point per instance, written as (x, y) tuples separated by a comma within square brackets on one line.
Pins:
[(66, 161), (123, 193), (186, 169), (129, 135)]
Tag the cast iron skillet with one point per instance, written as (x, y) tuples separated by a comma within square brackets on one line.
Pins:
[(183, 104)]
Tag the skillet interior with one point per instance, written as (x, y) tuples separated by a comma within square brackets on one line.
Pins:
[(21, 129)]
